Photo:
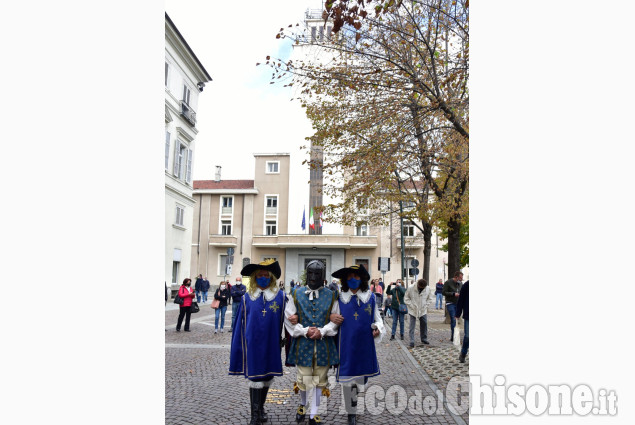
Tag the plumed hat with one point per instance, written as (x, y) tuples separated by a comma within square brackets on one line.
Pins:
[(358, 269), (269, 265)]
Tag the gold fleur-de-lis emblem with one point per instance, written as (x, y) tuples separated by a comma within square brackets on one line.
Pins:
[(368, 309), (274, 306)]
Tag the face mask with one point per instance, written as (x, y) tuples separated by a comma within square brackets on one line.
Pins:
[(353, 283), (222, 287), (263, 282)]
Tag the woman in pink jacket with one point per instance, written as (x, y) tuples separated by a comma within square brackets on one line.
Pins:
[(187, 294)]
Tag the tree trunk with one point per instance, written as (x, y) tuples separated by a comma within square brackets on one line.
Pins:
[(427, 249), (454, 247)]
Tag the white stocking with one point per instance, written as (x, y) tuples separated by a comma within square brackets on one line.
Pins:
[(303, 398), (316, 401)]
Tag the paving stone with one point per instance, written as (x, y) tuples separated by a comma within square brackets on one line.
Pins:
[(198, 390)]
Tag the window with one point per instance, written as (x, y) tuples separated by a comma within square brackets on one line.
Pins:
[(329, 29), (363, 261), (408, 228), (273, 167), (167, 69), (182, 162), (271, 228), (361, 229), (271, 205), (222, 264), (175, 272), (313, 31), (321, 32), (226, 203), (186, 95), (225, 227), (408, 205), (180, 212), (167, 148)]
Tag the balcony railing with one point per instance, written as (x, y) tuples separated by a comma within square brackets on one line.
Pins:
[(188, 113)]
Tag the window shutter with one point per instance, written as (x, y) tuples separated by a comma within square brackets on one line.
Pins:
[(167, 149), (188, 175), (176, 158)]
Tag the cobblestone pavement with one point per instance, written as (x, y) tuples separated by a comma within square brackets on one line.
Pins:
[(198, 390), (440, 359)]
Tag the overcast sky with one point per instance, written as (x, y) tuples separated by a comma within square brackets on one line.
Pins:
[(239, 112)]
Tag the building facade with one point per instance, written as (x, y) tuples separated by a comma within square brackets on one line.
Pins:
[(251, 217), (185, 78)]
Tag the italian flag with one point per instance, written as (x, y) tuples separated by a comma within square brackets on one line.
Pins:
[(311, 223)]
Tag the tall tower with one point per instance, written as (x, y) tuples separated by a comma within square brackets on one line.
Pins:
[(315, 187)]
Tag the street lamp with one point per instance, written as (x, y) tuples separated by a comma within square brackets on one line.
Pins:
[(401, 225)]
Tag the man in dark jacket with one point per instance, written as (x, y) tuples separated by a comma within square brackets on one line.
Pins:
[(237, 291), (463, 307), (205, 288), (197, 287), (451, 290)]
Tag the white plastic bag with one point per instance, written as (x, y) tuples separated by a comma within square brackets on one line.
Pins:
[(457, 337)]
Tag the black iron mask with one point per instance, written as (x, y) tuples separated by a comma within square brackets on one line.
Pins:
[(315, 271)]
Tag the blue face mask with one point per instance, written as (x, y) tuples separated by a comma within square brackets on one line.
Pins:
[(263, 282), (353, 283)]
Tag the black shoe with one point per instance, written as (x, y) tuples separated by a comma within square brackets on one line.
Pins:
[(462, 358), (412, 345), (315, 420), (402, 337), (263, 397), (392, 337), (300, 414), (425, 342), (352, 419), (178, 330), (254, 400)]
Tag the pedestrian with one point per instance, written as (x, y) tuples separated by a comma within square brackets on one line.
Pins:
[(185, 292), (387, 304), (417, 298), (204, 288), (333, 286), (463, 307), (312, 350), (379, 293), (360, 328), (282, 288), (381, 283), (197, 287), (439, 294), (237, 292), (291, 284), (451, 290), (223, 295), (256, 344), (398, 292)]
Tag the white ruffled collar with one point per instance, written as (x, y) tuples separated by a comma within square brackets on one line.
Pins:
[(363, 296), (270, 294)]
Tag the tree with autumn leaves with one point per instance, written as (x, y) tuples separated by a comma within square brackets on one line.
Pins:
[(389, 105)]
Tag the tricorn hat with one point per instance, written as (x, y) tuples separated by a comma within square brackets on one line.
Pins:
[(269, 265), (358, 269)]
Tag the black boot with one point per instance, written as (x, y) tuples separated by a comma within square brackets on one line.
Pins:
[(350, 403), (301, 413), (263, 395), (254, 397)]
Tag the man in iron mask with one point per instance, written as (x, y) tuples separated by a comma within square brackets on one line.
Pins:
[(312, 348)]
